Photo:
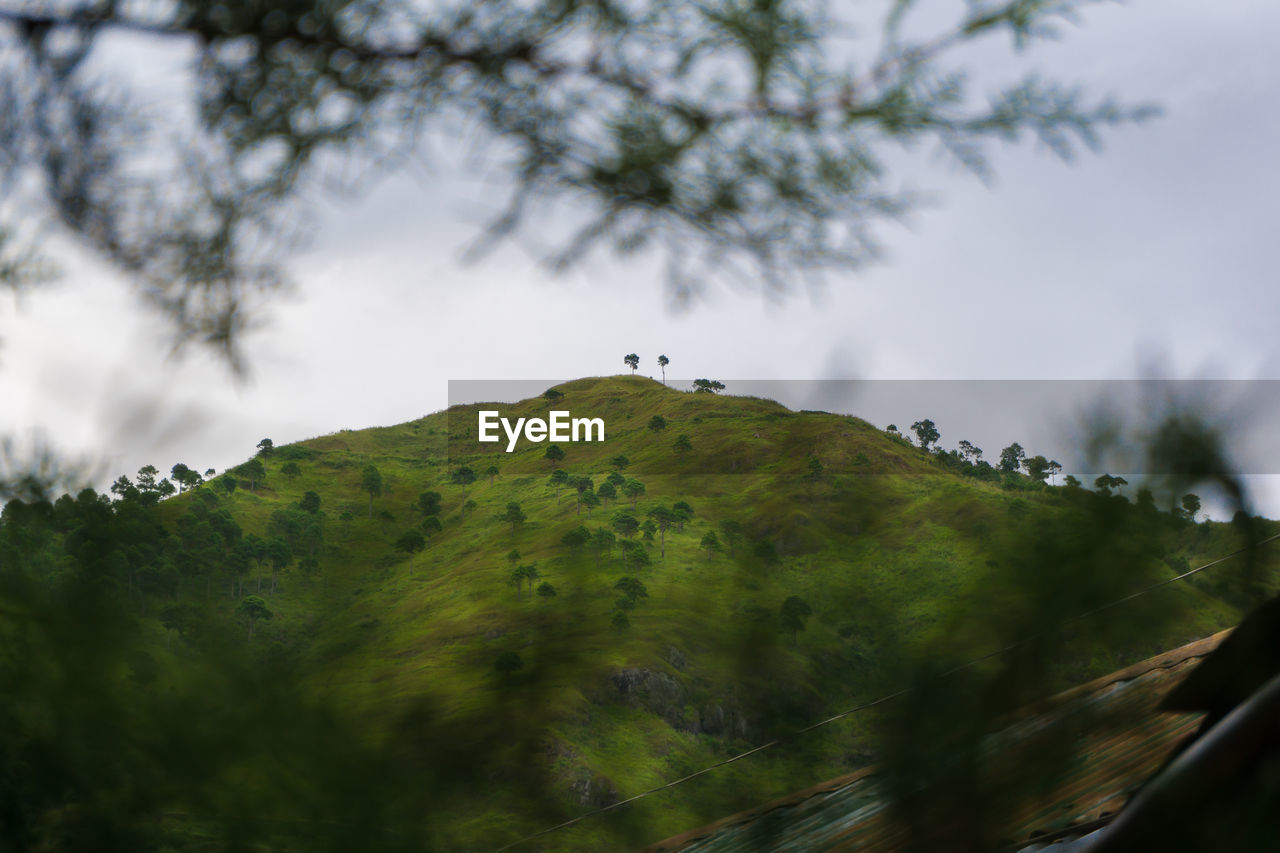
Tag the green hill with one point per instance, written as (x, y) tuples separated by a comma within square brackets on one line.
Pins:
[(625, 665)]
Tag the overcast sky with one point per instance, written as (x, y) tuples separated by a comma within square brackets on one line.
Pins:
[(1156, 257)]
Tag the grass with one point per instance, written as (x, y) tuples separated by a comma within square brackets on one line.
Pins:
[(886, 546)]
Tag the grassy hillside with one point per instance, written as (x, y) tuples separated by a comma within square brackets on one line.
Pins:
[(890, 549)]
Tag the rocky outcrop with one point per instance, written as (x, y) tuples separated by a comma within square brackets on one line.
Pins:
[(654, 691)]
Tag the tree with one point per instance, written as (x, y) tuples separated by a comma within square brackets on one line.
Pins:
[(371, 482), (491, 472), (430, 525), (546, 590), (732, 531), (185, 477), (1191, 505), (265, 447), (682, 444), (711, 544), (657, 423), (228, 483), (507, 663), (736, 108), (576, 538), (290, 470), (428, 503), (518, 575), (633, 489), (589, 500), (310, 503), (926, 432), (607, 492), (620, 462), (254, 471), (280, 555), (602, 542), (663, 361), (1011, 457), (1055, 468), (463, 476), (552, 396), (411, 542), (559, 479), (582, 485), (633, 361), (794, 615), (1071, 482), (707, 386), (1106, 483), (970, 452), (815, 469), (632, 588), (682, 512), (555, 453), (253, 608), (663, 518), (616, 480), (1037, 468), (514, 516), (626, 524)]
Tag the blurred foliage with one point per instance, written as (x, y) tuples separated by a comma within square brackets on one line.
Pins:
[(737, 138), (1060, 585)]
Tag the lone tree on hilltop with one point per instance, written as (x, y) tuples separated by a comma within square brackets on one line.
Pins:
[(633, 361), (1191, 505), (926, 432), (553, 396), (663, 361), (266, 446)]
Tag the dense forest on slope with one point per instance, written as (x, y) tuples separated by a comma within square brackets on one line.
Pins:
[(398, 638)]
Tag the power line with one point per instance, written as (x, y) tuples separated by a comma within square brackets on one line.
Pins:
[(881, 700)]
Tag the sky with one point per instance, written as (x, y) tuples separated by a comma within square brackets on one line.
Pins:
[(1155, 257)]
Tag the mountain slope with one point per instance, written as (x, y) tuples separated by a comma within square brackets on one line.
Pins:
[(890, 549)]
